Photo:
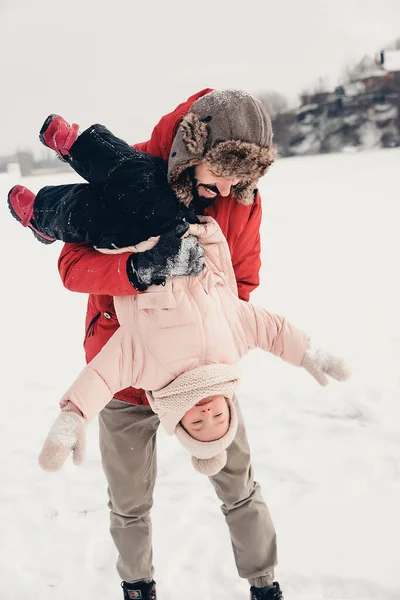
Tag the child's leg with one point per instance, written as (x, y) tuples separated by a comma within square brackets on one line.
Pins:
[(81, 213), (103, 214), (96, 154), (99, 156), (71, 213), (63, 212)]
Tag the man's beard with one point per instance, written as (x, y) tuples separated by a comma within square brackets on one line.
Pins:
[(200, 203)]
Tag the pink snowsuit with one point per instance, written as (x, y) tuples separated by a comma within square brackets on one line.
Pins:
[(189, 322)]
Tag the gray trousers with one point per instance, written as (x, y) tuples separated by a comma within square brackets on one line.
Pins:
[(128, 449)]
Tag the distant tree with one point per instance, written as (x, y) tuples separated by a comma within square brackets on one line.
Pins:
[(282, 125), (274, 102)]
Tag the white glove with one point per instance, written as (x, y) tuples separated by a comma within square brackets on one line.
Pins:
[(320, 363), (68, 434)]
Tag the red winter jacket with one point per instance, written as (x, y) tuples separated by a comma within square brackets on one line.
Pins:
[(102, 276)]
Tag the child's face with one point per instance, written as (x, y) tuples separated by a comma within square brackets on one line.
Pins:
[(208, 420)]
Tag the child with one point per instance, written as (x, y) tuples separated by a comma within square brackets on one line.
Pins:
[(181, 341)]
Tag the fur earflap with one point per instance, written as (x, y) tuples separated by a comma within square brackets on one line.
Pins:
[(195, 133), (181, 182), (244, 193)]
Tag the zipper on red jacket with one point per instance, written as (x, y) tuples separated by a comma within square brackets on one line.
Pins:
[(90, 329)]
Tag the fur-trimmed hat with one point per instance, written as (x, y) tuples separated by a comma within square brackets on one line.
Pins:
[(175, 399), (229, 130)]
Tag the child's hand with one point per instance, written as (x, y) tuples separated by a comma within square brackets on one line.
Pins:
[(68, 434), (320, 363)]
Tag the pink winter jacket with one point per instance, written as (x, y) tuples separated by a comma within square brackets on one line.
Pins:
[(189, 322)]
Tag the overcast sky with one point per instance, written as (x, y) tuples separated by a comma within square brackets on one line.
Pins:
[(125, 63)]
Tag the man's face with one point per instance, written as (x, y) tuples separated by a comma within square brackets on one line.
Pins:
[(208, 185)]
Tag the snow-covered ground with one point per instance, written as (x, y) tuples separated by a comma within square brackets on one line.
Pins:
[(328, 459)]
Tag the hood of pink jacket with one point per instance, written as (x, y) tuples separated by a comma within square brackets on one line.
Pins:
[(169, 420)]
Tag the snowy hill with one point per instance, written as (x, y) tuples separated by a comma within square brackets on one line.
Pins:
[(346, 123), (359, 128), (361, 114)]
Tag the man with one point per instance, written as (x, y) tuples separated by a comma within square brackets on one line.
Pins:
[(217, 144)]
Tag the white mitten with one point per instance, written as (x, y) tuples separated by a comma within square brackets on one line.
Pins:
[(320, 363), (68, 434)]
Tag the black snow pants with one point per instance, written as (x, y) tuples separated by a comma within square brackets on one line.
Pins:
[(127, 198)]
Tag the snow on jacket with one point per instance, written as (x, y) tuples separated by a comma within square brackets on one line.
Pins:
[(83, 269), (189, 322)]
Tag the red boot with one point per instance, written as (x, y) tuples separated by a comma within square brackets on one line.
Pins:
[(21, 202), (58, 135)]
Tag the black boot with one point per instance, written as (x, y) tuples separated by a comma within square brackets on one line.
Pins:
[(141, 590), (274, 593)]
